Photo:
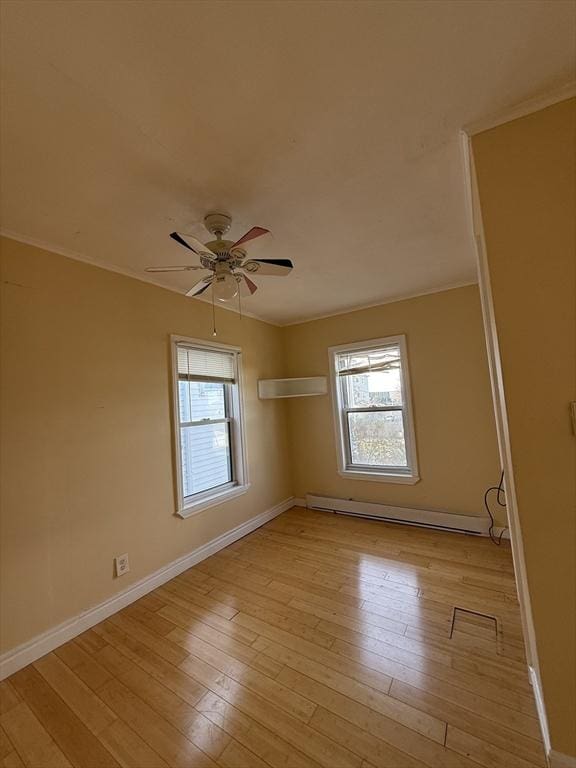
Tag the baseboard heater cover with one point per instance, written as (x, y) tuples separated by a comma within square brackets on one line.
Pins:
[(427, 518)]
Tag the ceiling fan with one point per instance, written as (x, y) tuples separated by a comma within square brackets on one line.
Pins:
[(226, 260)]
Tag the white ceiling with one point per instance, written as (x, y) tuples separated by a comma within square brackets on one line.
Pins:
[(334, 124)]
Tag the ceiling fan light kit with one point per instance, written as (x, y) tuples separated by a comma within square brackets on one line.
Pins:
[(225, 286), (226, 260)]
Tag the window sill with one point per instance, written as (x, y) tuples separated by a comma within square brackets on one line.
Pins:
[(211, 501), (379, 477)]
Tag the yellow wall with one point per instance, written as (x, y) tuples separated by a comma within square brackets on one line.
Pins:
[(455, 430), (86, 437), (526, 173)]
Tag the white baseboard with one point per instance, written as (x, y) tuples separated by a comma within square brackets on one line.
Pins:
[(298, 502), (540, 709), (559, 760), (428, 518), (24, 654)]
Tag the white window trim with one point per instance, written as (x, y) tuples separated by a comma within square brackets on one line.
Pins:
[(241, 483), (377, 475)]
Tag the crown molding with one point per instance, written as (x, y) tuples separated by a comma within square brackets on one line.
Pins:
[(143, 278), (382, 302), (521, 109)]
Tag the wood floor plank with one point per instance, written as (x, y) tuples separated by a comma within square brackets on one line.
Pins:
[(271, 748), (482, 752), (153, 620), (90, 641), (82, 701), (6, 746), (373, 678), (291, 730), (12, 760), (237, 756), (160, 645), (83, 664), (413, 718), (479, 653), (128, 748), (157, 667), (8, 696), (530, 749), (73, 737), (360, 742), (186, 615), (180, 589), (159, 734), (183, 716), (401, 738), (234, 640), (508, 707), (31, 740), (252, 679), (251, 603), (383, 642), (267, 665)]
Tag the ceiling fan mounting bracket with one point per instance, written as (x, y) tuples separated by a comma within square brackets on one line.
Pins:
[(217, 223)]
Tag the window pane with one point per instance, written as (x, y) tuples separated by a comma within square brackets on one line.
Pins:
[(374, 388), (201, 400), (205, 457), (377, 439)]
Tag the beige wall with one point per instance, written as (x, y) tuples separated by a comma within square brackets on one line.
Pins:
[(527, 186), (86, 439), (455, 430)]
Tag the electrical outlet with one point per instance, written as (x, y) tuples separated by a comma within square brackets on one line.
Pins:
[(122, 564)]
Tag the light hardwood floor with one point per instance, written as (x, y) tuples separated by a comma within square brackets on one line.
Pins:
[(317, 640)]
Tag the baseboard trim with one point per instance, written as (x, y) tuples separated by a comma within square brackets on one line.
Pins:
[(560, 760), (540, 709), (25, 654), (298, 502)]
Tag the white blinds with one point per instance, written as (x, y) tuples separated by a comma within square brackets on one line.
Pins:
[(365, 361), (198, 364)]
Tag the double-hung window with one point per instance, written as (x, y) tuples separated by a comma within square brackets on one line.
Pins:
[(209, 440), (372, 408)]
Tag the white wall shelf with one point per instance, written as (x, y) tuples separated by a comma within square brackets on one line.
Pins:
[(273, 389)]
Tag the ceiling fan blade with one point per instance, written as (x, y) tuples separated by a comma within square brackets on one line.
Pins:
[(193, 244), (172, 269), (250, 235), (200, 287), (278, 267), (246, 286)]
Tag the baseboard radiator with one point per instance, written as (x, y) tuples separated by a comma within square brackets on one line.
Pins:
[(426, 518)]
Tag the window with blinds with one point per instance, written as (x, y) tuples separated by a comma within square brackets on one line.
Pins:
[(207, 406), (373, 410)]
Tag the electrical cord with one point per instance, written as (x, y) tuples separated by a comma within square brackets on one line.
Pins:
[(500, 494)]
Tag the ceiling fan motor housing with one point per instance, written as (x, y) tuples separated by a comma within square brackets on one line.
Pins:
[(221, 248), (223, 258)]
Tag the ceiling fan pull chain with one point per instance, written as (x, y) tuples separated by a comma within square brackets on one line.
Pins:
[(213, 314), (240, 304)]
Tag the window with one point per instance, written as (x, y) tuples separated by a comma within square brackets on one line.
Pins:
[(209, 441), (374, 427)]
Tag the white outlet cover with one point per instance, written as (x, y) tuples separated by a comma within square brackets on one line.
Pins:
[(122, 564)]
